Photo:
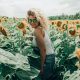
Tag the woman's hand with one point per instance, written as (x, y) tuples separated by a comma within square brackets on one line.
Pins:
[(41, 71)]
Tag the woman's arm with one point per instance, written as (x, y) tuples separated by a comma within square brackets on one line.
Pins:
[(40, 42)]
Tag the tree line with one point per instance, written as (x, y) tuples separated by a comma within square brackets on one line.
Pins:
[(63, 17)]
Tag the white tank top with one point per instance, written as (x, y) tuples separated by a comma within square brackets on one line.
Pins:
[(48, 44)]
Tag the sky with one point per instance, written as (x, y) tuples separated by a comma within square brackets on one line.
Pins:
[(19, 8)]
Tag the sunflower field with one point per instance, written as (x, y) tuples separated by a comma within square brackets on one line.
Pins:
[(19, 62)]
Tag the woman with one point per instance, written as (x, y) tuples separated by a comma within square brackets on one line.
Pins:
[(42, 41)]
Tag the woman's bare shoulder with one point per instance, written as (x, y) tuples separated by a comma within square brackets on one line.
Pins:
[(38, 30)]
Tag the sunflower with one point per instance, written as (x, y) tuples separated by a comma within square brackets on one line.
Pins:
[(64, 26), (72, 32), (3, 30), (22, 27), (22, 24), (59, 24), (78, 53)]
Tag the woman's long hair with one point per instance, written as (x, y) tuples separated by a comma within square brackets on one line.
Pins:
[(40, 17)]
